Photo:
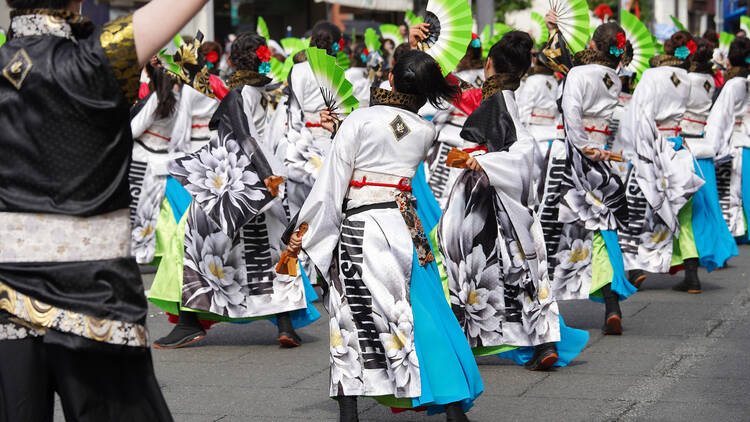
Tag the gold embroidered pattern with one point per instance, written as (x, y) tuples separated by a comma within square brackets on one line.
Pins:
[(119, 45), (400, 129), (18, 68), (675, 80), (41, 316)]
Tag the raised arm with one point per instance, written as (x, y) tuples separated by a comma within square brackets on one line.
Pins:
[(156, 23)]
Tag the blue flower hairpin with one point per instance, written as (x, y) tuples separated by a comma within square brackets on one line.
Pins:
[(264, 68), (617, 52), (682, 53), (335, 48), (475, 43), (747, 59)]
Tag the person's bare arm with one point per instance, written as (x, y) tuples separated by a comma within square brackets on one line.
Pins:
[(157, 22)]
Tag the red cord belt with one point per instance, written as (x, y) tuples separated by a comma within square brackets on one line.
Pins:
[(694, 121), (590, 129), (404, 185), (475, 149), (158, 136), (543, 116), (198, 126), (308, 124), (675, 129)]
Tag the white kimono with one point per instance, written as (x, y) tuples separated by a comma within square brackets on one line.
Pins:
[(661, 180), (366, 253), (725, 131), (537, 108)]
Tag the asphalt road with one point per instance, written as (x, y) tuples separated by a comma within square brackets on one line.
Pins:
[(681, 358)]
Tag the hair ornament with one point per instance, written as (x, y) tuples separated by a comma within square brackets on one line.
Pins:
[(264, 55)]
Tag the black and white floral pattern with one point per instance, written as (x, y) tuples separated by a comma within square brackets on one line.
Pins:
[(221, 178), (146, 217)]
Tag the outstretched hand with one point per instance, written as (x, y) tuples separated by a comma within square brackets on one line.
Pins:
[(418, 33)]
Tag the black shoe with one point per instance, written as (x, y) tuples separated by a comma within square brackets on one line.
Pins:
[(455, 412), (348, 409), (636, 278), (545, 356), (287, 336), (612, 313), (691, 283), (188, 330)]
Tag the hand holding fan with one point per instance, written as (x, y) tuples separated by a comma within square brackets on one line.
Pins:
[(391, 32), (450, 32), (573, 21), (641, 40), (336, 90)]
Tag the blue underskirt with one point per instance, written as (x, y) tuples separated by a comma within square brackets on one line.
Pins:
[(713, 239), (571, 344)]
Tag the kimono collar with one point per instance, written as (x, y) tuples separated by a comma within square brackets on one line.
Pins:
[(737, 71), (380, 96), (666, 60), (705, 67), (57, 23), (500, 82), (595, 57), (247, 77)]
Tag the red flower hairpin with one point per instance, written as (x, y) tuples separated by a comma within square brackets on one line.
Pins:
[(212, 57), (621, 40), (263, 53), (692, 46), (341, 43)]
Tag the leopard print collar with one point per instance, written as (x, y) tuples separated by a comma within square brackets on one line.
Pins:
[(595, 57), (248, 77), (380, 96), (539, 69), (500, 82), (705, 67), (666, 60), (737, 72)]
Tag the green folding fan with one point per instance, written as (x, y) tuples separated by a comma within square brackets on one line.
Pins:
[(499, 30), (745, 24), (2, 38), (342, 60), (641, 40), (450, 32), (677, 23), (411, 19), (372, 40), (573, 21), (278, 72), (390, 32), (725, 40), (262, 29), (292, 45), (539, 29), (336, 90)]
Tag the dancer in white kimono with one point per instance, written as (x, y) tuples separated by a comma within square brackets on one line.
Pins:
[(663, 176), (583, 201), (219, 263), (537, 104), (726, 132), (490, 238), (152, 124), (393, 335)]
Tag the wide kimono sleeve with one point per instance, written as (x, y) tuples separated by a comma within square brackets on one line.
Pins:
[(323, 208), (721, 120), (143, 120), (192, 103), (572, 100)]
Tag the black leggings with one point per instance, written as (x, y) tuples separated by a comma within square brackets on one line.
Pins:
[(93, 386)]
